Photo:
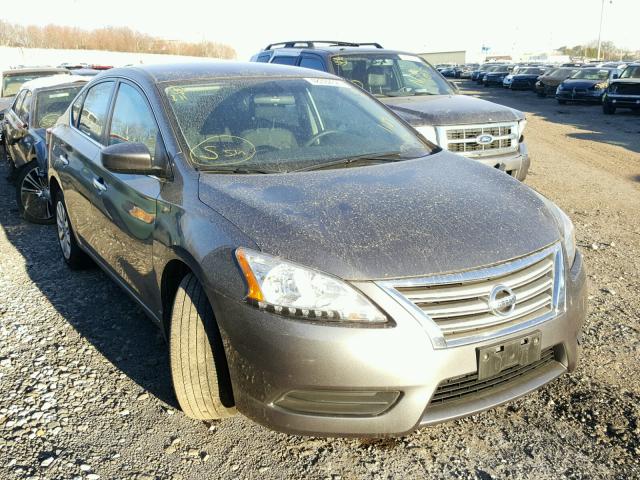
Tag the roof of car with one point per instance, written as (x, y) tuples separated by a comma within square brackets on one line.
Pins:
[(21, 71), (53, 81), (212, 69), (336, 50)]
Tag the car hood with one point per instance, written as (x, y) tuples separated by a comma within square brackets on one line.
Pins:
[(580, 83), (555, 81), (450, 110), (630, 81), (441, 213)]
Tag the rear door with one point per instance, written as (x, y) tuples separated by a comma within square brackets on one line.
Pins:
[(76, 153), (126, 206), (17, 128)]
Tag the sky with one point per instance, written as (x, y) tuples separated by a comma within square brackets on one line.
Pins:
[(505, 26)]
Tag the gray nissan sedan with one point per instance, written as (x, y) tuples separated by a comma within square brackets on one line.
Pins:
[(315, 264)]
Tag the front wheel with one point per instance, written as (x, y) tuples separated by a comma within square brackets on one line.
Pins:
[(198, 363), (608, 109), (32, 195)]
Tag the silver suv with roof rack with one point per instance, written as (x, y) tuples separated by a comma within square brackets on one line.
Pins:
[(484, 131)]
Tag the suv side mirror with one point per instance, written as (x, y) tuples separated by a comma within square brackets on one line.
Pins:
[(615, 75), (127, 157)]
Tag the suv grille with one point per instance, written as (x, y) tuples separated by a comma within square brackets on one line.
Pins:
[(463, 139), (458, 388), (459, 303), (627, 89)]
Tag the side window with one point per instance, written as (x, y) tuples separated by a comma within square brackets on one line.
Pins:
[(132, 120), (18, 102), (25, 107), (282, 60), (313, 63), (95, 109), (263, 57), (75, 110)]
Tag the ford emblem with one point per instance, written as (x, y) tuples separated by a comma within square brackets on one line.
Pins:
[(484, 139)]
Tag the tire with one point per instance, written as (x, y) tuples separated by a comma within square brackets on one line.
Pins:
[(32, 195), (608, 109), (73, 256), (198, 363)]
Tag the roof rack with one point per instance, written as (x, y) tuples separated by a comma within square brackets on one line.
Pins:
[(313, 43)]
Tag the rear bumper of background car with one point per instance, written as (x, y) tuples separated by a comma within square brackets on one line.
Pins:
[(283, 368)]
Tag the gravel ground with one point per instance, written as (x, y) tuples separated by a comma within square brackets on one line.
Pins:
[(85, 390)]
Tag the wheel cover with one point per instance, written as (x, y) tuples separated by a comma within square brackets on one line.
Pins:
[(64, 232), (34, 195)]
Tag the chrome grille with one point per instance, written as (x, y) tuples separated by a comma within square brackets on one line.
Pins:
[(458, 303), (626, 89), (463, 139), (461, 387)]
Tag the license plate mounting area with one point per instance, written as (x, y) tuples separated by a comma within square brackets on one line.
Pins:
[(493, 359)]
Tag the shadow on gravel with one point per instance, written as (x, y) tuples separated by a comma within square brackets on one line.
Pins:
[(622, 129), (90, 302)]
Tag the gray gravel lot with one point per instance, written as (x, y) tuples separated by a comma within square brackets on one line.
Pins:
[(85, 390)]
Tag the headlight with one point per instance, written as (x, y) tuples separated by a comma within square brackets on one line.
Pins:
[(567, 230), (521, 125), (600, 86), (429, 133), (288, 289), (560, 87)]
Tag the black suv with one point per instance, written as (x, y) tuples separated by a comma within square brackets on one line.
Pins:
[(414, 90)]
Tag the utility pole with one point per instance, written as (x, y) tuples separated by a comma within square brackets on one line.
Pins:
[(600, 31)]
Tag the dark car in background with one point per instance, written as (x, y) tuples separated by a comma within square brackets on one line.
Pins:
[(468, 69), (37, 106), (586, 85), (452, 71), (496, 76), (478, 73), (525, 78), (487, 132), (548, 83), (623, 92), (321, 270)]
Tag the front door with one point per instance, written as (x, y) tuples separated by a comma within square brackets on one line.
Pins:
[(126, 207)]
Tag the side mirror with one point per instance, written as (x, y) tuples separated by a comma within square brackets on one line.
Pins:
[(133, 158), (615, 75)]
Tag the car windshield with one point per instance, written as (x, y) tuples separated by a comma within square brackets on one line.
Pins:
[(267, 125), (591, 74), (391, 75), (51, 104), (11, 83), (631, 72)]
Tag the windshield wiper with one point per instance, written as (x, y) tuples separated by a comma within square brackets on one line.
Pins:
[(382, 157), (237, 170)]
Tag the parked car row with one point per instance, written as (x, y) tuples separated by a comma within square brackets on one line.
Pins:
[(614, 84), (282, 222)]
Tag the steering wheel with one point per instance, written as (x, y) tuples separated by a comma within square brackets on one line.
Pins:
[(266, 149), (318, 136)]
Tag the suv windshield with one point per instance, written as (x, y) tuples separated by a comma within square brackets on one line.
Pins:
[(391, 75), (530, 71), (11, 83), (591, 74), (267, 125), (50, 105), (631, 72)]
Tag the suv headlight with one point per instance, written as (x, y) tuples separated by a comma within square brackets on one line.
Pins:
[(288, 289), (429, 133), (601, 85), (521, 125), (567, 230)]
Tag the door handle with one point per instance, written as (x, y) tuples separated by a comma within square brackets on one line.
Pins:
[(98, 183)]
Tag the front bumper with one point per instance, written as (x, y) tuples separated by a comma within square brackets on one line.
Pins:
[(591, 96), (270, 355), (622, 101), (515, 164)]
